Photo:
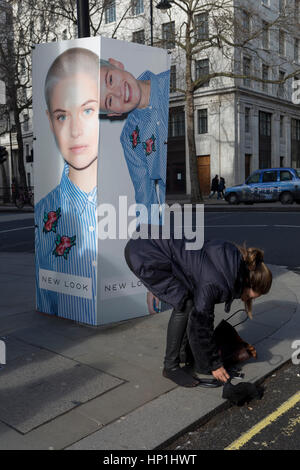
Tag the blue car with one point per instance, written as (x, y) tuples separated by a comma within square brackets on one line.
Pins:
[(271, 184)]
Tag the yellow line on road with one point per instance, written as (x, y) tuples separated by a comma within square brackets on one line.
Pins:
[(241, 441)]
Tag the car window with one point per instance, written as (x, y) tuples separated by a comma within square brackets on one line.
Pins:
[(298, 173), (253, 178), (285, 176), (269, 176)]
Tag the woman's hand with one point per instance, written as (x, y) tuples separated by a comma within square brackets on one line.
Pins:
[(220, 374), (150, 300)]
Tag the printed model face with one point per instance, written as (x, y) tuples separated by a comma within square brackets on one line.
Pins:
[(249, 294), (74, 120), (120, 92)]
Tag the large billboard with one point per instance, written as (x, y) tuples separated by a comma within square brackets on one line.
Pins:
[(100, 111)]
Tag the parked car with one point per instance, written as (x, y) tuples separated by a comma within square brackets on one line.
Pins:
[(270, 184)]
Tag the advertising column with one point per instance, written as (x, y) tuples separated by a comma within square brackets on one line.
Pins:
[(100, 133), (134, 106)]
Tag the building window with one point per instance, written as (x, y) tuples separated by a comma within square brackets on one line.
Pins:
[(281, 5), (296, 129), (297, 10), (29, 180), (265, 124), (168, 35), (281, 42), (139, 36), (110, 11), (26, 123), (247, 120), (137, 7), (281, 85), (265, 35), (265, 2), (247, 71), (202, 121), (296, 50), (201, 27), (173, 79), (246, 21), (202, 71), (265, 77), (176, 122), (281, 127), (26, 151)]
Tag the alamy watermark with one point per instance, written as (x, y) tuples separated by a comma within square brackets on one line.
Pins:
[(164, 222), (296, 353), (2, 353), (296, 91)]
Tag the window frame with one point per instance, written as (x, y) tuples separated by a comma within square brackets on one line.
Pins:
[(110, 12), (167, 28), (199, 66), (202, 121)]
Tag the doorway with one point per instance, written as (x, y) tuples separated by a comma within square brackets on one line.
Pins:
[(203, 162)]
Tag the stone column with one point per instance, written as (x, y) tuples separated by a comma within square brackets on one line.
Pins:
[(255, 139), (275, 139)]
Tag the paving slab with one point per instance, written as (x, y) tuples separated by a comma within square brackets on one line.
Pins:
[(153, 424), (72, 386), (56, 434), (39, 386)]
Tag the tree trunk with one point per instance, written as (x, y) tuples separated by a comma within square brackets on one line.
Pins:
[(21, 166), (196, 195), (6, 196)]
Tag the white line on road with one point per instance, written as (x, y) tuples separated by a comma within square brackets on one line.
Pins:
[(290, 226), (15, 229)]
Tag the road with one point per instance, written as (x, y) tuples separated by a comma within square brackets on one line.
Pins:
[(276, 232), (17, 232), (272, 423)]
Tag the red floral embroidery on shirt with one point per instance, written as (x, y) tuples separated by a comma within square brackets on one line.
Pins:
[(135, 137), (63, 245), (50, 220), (149, 145)]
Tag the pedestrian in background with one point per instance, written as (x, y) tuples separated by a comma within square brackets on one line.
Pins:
[(214, 186), (221, 188)]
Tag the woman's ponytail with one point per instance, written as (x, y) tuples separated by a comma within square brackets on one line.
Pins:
[(260, 276), (253, 257)]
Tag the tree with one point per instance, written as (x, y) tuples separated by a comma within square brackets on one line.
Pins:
[(222, 29), (24, 24)]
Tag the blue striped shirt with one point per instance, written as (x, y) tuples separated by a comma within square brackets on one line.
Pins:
[(65, 242), (144, 141)]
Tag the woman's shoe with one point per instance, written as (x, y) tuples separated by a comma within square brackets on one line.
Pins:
[(206, 380)]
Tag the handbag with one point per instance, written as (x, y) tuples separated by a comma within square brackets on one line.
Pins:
[(232, 348)]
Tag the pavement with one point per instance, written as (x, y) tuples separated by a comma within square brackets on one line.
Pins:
[(70, 386), (211, 205)]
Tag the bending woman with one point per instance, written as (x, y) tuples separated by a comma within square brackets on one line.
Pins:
[(193, 281)]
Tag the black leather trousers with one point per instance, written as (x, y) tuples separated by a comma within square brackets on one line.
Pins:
[(177, 349)]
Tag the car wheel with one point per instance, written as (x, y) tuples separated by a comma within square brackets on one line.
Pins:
[(286, 198), (233, 199)]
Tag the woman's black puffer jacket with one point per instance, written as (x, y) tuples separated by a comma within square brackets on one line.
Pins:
[(214, 274)]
